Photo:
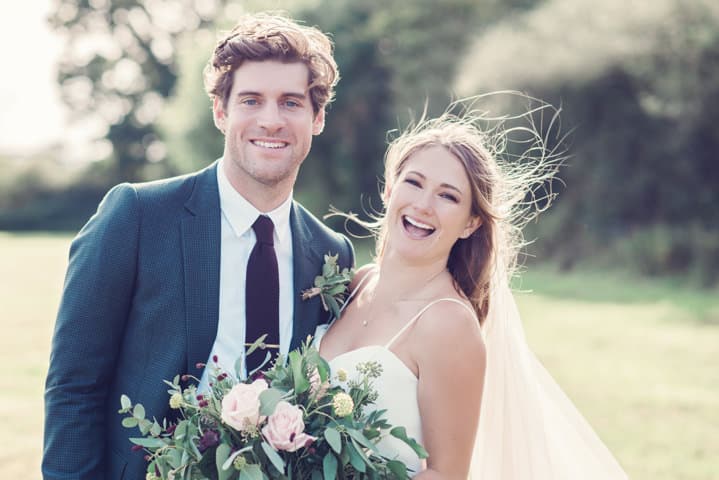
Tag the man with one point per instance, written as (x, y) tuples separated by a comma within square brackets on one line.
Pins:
[(170, 274)]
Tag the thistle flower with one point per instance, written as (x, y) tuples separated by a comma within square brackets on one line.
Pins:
[(208, 440), (176, 400), (342, 404), (239, 462)]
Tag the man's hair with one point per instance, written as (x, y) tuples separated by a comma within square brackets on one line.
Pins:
[(265, 36)]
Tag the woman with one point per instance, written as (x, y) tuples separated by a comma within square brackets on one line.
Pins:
[(436, 312)]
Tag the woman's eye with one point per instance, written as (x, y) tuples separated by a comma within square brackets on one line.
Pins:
[(412, 182), (450, 197)]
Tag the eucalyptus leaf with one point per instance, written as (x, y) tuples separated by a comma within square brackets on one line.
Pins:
[(334, 439), (269, 400), (138, 412), (125, 402), (359, 437), (298, 375), (221, 454), (129, 422), (155, 429), (356, 459), (274, 457), (332, 304), (251, 472), (401, 433), (398, 468), (149, 442), (329, 466)]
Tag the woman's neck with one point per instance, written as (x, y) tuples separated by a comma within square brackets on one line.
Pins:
[(399, 280)]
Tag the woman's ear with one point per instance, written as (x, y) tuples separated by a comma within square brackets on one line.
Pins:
[(472, 225)]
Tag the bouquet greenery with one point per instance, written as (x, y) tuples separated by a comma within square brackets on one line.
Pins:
[(291, 421)]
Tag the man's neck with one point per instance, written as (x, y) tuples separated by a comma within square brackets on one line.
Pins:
[(264, 198)]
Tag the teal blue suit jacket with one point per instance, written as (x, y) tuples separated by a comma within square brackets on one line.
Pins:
[(140, 305)]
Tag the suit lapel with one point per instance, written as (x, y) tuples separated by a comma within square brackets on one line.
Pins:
[(307, 263), (201, 237)]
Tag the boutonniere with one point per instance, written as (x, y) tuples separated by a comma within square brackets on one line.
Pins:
[(331, 286)]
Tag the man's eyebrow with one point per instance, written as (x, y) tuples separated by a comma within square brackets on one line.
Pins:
[(253, 93)]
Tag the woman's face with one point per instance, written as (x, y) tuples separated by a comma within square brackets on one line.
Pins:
[(429, 206)]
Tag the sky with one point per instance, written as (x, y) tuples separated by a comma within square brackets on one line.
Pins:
[(32, 115)]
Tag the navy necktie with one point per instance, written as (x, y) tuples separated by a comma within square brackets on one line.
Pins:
[(262, 294)]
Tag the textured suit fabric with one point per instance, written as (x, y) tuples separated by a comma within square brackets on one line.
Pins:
[(139, 306)]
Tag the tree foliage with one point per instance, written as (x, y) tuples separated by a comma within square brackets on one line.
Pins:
[(120, 66)]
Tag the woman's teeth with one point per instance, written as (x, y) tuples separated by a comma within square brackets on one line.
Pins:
[(416, 228)]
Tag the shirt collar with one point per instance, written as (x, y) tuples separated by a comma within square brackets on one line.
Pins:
[(241, 214)]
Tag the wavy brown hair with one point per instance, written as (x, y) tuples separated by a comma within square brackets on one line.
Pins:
[(508, 189), (269, 36)]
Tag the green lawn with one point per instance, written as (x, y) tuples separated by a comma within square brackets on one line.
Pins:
[(638, 357)]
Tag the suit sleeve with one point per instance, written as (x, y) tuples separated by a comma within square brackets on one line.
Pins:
[(350, 252), (96, 299)]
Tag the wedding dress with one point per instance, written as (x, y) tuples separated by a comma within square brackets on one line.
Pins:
[(396, 387), (528, 428)]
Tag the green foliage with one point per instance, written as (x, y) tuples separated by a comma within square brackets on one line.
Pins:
[(641, 180), (120, 66)]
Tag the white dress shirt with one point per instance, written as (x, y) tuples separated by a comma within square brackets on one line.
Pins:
[(238, 239)]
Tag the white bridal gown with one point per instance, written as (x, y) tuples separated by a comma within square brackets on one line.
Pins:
[(396, 388)]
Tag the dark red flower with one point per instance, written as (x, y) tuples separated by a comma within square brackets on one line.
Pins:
[(209, 439)]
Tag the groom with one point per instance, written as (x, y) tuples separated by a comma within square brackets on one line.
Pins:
[(169, 274)]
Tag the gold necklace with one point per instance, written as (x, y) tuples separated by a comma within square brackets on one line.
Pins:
[(365, 322)]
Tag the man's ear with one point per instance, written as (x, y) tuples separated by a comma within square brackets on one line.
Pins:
[(472, 225), (318, 124), (218, 114)]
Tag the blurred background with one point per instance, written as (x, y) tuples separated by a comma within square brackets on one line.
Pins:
[(623, 269)]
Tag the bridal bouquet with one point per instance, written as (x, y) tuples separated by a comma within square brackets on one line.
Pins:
[(288, 422)]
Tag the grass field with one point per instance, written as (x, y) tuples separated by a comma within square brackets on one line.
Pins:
[(639, 358)]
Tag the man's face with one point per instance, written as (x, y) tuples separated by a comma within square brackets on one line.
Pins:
[(268, 125)]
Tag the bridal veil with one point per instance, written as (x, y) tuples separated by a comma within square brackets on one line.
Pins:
[(528, 428)]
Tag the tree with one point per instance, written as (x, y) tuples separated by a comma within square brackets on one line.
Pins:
[(120, 66)]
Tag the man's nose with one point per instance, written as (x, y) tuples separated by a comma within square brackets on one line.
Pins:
[(270, 117)]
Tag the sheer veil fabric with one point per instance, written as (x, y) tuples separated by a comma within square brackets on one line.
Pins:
[(528, 428)]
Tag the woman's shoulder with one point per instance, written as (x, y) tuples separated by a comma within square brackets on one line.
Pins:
[(360, 274), (449, 322)]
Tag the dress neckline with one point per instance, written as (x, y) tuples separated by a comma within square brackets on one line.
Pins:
[(388, 345)]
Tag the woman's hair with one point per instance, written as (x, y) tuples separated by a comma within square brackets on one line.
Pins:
[(264, 36), (508, 189)]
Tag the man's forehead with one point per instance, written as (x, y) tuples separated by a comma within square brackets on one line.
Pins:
[(271, 75)]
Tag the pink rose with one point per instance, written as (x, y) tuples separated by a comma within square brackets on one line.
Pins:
[(285, 427), (241, 405)]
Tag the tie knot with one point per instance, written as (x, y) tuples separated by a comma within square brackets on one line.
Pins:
[(263, 228)]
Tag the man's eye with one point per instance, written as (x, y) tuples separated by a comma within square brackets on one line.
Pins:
[(292, 104), (249, 101)]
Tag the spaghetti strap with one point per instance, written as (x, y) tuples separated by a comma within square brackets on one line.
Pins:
[(424, 309)]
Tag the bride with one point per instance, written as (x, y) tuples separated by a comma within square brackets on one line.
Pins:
[(436, 312)]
